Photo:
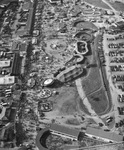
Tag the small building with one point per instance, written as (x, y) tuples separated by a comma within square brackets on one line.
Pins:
[(103, 135)]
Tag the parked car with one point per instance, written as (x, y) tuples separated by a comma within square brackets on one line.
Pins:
[(121, 110), (109, 119), (120, 98)]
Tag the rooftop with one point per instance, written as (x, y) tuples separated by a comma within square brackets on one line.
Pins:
[(7, 1), (104, 134), (64, 130)]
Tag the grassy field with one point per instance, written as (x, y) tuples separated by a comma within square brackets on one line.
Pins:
[(98, 99), (86, 25), (98, 3), (119, 6), (93, 84), (92, 81)]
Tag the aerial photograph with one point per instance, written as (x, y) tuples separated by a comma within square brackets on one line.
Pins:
[(61, 74)]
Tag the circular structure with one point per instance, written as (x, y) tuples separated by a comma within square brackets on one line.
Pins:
[(47, 59), (41, 139), (48, 82), (45, 93), (55, 45), (45, 107)]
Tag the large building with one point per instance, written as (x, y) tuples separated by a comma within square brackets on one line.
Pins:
[(70, 73), (57, 130), (28, 8), (64, 131), (103, 135), (7, 80)]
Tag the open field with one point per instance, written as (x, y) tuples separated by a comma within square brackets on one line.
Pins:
[(68, 102), (119, 6), (98, 101), (98, 3), (85, 25), (89, 83)]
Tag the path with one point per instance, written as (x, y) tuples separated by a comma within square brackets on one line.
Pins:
[(116, 12), (86, 102)]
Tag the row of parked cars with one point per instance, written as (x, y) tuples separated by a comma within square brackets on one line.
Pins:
[(101, 56), (121, 87), (119, 124), (116, 53), (117, 68), (119, 37), (23, 17), (120, 98), (121, 110), (6, 92), (119, 45), (117, 60), (118, 78)]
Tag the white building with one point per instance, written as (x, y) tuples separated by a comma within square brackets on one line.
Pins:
[(5, 63), (7, 80)]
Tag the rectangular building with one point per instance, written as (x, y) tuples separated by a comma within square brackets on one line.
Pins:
[(7, 80), (103, 135), (65, 131), (5, 63)]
